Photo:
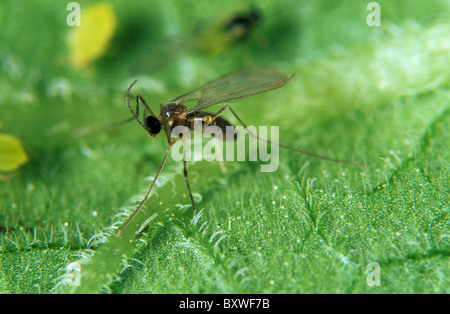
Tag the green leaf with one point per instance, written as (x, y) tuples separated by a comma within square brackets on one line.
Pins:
[(371, 95)]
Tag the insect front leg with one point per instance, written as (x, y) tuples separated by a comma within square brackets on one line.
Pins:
[(147, 194)]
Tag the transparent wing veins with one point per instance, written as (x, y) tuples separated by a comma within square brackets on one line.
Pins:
[(234, 86)]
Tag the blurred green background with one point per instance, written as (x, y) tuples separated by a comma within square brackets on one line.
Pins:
[(374, 95)]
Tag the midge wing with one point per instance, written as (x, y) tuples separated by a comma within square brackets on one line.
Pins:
[(234, 86)]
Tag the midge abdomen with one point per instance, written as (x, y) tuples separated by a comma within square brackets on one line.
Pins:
[(218, 122)]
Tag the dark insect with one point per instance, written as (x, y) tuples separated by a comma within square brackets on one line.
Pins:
[(208, 40)]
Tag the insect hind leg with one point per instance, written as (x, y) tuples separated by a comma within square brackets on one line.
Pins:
[(185, 173), (298, 151)]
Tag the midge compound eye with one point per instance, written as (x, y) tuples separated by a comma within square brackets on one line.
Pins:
[(153, 125), (228, 88)]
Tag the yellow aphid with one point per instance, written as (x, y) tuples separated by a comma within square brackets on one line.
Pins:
[(12, 154), (90, 40)]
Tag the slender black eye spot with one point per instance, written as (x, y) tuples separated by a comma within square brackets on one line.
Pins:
[(153, 125)]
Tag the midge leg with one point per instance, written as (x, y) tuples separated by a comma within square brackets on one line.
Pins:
[(148, 192), (210, 119), (88, 130), (186, 174), (170, 144)]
